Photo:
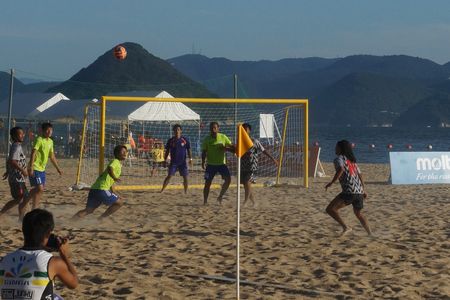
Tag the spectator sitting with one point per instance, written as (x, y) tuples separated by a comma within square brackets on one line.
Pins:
[(29, 272)]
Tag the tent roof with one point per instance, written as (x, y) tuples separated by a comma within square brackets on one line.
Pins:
[(73, 109), (30, 104), (150, 111)]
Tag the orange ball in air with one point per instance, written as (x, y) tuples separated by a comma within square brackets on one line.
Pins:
[(120, 52)]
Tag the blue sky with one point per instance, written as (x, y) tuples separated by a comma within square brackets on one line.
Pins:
[(56, 38)]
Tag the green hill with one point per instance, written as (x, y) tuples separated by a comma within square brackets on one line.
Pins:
[(433, 111), (216, 73), (366, 99), (300, 78), (5, 79), (39, 87), (139, 71)]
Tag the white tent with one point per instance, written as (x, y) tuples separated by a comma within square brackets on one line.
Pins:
[(150, 111), (68, 110), (26, 105)]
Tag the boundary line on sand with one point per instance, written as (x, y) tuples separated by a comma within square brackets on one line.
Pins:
[(305, 291)]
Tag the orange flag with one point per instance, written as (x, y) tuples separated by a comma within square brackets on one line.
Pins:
[(244, 142)]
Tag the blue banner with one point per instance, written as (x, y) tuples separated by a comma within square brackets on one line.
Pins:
[(420, 167)]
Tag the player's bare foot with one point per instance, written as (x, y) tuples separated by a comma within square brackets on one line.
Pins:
[(346, 231)]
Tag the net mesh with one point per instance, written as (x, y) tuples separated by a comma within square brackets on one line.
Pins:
[(280, 129)]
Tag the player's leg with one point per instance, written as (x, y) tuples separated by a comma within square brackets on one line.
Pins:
[(153, 171), (210, 172), (16, 193), (332, 209), (10, 204), (246, 181), (83, 213), (114, 203), (38, 191), (166, 182), (37, 182), (357, 207), (249, 192), (93, 202), (223, 170), (206, 189), (171, 171), (183, 169), (23, 205)]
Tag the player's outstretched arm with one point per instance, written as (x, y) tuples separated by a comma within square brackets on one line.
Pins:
[(336, 176), (55, 162), (271, 157)]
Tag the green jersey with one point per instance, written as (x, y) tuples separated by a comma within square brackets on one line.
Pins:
[(215, 149), (43, 147), (105, 181)]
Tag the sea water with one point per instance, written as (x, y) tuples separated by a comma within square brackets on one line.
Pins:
[(363, 137)]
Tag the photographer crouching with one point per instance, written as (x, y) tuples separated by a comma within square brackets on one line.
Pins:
[(29, 272)]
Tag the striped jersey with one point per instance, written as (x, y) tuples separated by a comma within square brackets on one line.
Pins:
[(249, 161), (349, 180)]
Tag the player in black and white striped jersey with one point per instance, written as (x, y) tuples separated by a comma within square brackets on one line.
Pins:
[(350, 178)]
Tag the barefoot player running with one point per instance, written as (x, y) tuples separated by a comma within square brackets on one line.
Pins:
[(352, 184)]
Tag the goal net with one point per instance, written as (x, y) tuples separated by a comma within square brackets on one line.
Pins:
[(144, 125)]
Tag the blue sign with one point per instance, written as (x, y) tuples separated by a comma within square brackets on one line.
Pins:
[(420, 167)]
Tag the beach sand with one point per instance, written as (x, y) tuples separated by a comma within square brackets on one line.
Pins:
[(158, 245)]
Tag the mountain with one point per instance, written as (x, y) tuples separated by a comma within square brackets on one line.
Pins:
[(139, 71), (371, 90), (200, 67), (217, 73), (442, 86), (366, 99), (39, 87), (433, 111), (5, 79), (447, 66), (303, 77), (310, 84), (398, 66)]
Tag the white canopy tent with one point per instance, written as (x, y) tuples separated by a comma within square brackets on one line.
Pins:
[(28, 105), (151, 111), (163, 111), (66, 110), (131, 111)]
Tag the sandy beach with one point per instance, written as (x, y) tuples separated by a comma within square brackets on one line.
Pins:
[(159, 246)]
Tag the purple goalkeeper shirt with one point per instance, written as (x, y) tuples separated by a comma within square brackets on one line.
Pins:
[(178, 149)]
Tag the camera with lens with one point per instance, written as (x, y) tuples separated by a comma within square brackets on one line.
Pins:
[(54, 242)]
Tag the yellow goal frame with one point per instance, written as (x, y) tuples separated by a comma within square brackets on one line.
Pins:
[(304, 102)]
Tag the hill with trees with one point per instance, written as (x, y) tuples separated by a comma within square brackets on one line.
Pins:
[(138, 72), (371, 90)]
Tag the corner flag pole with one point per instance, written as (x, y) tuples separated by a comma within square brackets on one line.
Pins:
[(10, 104), (238, 228), (244, 143)]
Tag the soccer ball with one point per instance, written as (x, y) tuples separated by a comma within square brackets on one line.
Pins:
[(120, 52)]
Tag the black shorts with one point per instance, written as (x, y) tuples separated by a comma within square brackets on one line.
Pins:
[(18, 190), (247, 176), (357, 200)]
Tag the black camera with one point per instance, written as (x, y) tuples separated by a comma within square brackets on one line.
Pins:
[(53, 243)]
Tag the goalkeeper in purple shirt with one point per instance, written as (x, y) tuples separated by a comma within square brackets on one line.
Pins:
[(178, 147)]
